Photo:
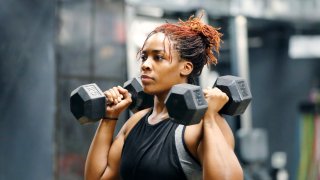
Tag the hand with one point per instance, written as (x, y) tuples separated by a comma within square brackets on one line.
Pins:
[(117, 99), (216, 99)]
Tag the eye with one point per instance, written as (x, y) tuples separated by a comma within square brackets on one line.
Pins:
[(158, 57), (143, 57)]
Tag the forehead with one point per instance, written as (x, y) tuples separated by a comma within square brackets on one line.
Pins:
[(157, 41)]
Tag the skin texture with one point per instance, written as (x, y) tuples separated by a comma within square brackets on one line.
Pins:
[(211, 141)]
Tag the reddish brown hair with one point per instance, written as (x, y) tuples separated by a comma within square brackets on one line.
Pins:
[(195, 41)]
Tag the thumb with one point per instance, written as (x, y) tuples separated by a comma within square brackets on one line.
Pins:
[(124, 92)]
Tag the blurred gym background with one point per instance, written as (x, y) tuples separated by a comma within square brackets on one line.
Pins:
[(48, 48)]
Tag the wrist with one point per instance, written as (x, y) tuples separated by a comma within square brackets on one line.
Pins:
[(211, 115), (210, 119), (111, 117)]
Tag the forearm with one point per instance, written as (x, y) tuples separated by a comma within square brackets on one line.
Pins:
[(219, 160), (97, 161)]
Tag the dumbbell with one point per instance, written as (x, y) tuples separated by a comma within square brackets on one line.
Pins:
[(88, 102), (186, 103)]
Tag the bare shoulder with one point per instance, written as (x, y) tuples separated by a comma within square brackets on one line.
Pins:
[(192, 138)]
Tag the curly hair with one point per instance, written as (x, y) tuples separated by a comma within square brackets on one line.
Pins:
[(194, 40)]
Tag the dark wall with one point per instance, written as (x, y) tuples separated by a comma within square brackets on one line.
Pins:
[(27, 78), (278, 85), (90, 48)]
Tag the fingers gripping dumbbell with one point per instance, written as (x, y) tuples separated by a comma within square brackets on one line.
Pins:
[(88, 102), (186, 103)]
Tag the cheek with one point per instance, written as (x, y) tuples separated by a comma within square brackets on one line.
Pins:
[(169, 74), (170, 77)]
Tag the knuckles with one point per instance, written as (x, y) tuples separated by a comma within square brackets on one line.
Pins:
[(216, 94), (115, 95)]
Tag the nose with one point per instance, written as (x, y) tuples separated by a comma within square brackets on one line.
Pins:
[(146, 65)]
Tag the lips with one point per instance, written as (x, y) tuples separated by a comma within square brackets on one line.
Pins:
[(146, 78)]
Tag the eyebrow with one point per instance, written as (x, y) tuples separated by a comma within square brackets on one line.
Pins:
[(154, 51)]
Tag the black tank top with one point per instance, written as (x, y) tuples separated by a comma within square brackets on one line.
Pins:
[(149, 152)]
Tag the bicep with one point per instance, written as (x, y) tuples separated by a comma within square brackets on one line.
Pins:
[(114, 157), (226, 132), (216, 151)]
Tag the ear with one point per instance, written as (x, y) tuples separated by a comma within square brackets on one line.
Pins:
[(186, 68)]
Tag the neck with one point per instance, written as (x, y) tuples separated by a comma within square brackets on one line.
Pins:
[(159, 112)]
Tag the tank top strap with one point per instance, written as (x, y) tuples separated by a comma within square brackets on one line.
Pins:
[(189, 164)]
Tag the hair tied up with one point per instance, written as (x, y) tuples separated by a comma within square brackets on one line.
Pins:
[(211, 34)]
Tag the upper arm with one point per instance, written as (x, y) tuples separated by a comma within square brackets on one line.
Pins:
[(114, 156), (193, 137), (217, 145), (226, 132)]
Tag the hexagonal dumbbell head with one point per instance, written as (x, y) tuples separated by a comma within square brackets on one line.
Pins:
[(87, 103), (186, 104), (238, 92), (140, 100)]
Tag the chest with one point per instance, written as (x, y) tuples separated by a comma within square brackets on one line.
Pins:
[(149, 152)]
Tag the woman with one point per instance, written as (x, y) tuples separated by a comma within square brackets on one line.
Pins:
[(149, 145)]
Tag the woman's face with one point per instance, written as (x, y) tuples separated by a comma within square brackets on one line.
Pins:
[(158, 72)]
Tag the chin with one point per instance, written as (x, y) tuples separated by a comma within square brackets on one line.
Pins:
[(148, 91), (152, 90)]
